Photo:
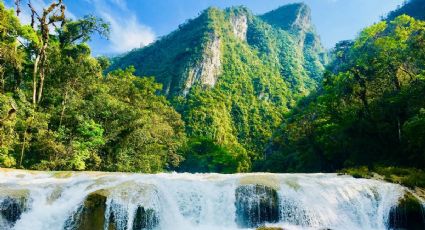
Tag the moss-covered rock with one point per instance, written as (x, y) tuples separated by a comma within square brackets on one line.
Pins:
[(408, 214), (256, 205), (91, 215), (269, 228)]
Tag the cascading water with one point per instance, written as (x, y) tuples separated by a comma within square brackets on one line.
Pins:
[(49, 201)]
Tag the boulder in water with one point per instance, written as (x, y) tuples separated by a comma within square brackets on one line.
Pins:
[(91, 215), (12, 204), (408, 214), (95, 213), (145, 219), (256, 205)]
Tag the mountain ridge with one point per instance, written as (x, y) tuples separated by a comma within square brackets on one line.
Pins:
[(241, 21), (233, 75), (413, 8)]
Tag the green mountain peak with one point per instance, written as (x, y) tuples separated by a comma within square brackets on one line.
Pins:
[(293, 17), (233, 75)]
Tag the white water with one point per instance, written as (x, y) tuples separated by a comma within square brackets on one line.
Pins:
[(207, 201)]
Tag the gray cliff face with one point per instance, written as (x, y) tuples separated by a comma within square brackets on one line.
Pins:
[(239, 26), (302, 20), (207, 70)]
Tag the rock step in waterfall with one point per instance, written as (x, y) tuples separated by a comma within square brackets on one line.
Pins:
[(118, 201)]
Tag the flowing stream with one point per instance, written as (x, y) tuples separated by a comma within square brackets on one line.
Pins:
[(54, 200)]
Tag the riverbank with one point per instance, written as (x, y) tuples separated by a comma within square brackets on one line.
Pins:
[(409, 177), (412, 178)]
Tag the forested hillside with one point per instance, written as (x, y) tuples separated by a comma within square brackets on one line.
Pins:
[(232, 76), (369, 111), (413, 8)]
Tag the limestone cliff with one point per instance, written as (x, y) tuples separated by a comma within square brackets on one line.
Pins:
[(207, 70)]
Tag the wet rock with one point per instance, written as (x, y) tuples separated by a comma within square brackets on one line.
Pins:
[(11, 209), (408, 214), (256, 205), (145, 219), (12, 204), (91, 215), (95, 213)]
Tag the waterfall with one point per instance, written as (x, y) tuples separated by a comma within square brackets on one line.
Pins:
[(74, 200)]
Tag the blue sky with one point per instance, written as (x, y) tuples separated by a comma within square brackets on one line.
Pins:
[(135, 23)]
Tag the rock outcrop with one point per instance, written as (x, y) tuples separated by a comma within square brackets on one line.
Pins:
[(256, 205), (91, 215), (408, 214), (239, 25), (208, 69)]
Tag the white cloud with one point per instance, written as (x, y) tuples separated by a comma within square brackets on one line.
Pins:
[(127, 32)]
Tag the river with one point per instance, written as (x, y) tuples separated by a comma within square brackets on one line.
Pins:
[(175, 201)]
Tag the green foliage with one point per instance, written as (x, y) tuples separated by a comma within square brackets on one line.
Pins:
[(86, 120), (264, 111), (8, 135), (359, 172), (369, 110), (82, 29), (203, 155), (409, 177), (11, 55)]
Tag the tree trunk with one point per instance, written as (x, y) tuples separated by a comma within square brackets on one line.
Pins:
[(40, 86), (23, 148), (63, 107), (34, 80), (42, 70)]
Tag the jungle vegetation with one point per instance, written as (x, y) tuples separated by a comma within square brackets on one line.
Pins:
[(278, 104)]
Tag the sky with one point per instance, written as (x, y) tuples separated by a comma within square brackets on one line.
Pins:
[(136, 23)]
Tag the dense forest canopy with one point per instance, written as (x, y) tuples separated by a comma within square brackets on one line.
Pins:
[(227, 92), (78, 118), (369, 110)]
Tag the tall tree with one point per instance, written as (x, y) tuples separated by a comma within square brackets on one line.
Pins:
[(44, 21)]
